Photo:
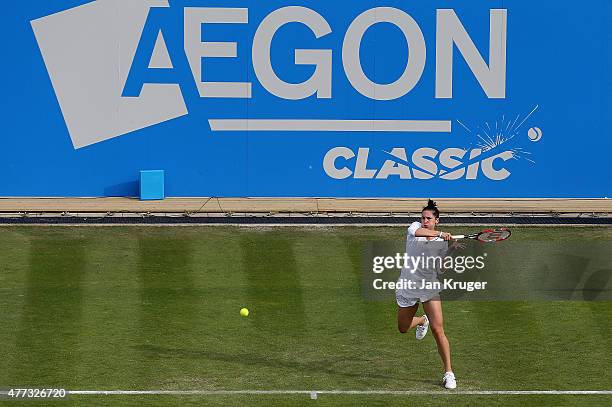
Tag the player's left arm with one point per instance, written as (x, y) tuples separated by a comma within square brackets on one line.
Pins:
[(454, 246)]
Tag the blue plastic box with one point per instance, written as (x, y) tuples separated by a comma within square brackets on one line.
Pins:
[(151, 185)]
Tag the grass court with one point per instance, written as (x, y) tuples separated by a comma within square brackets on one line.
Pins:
[(157, 308)]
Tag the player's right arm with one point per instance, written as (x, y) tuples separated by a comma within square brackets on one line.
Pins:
[(423, 232)]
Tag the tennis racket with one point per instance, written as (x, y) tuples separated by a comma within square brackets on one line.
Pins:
[(487, 235)]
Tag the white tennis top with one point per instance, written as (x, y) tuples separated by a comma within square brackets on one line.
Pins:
[(423, 249)]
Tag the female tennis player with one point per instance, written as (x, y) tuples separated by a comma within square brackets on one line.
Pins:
[(424, 241)]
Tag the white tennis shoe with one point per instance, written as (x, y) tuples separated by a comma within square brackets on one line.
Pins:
[(421, 330), (449, 380)]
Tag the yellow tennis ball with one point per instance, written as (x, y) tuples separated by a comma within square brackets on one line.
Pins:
[(244, 312)]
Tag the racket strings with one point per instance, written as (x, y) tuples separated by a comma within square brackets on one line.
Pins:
[(494, 235)]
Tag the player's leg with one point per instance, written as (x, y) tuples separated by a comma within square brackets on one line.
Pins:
[(433, 310), (406, 319)]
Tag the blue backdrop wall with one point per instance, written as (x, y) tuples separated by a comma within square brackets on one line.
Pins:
[(365, 98)]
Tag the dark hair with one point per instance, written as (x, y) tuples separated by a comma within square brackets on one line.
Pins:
[(431, 206)]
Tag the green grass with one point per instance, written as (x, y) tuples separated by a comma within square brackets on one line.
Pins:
[(157, 308)]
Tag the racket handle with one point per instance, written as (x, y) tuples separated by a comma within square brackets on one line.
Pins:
[(455, 237)]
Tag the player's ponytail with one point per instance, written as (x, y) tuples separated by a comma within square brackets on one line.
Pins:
[(431, 206)]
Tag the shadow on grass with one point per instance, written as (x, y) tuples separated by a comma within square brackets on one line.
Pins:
[(321, 366), (52, 313)]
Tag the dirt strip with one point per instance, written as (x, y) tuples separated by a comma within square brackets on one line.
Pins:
[(304, 205)]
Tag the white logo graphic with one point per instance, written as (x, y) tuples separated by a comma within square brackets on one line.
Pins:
[(449, 164), (88, 52)]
